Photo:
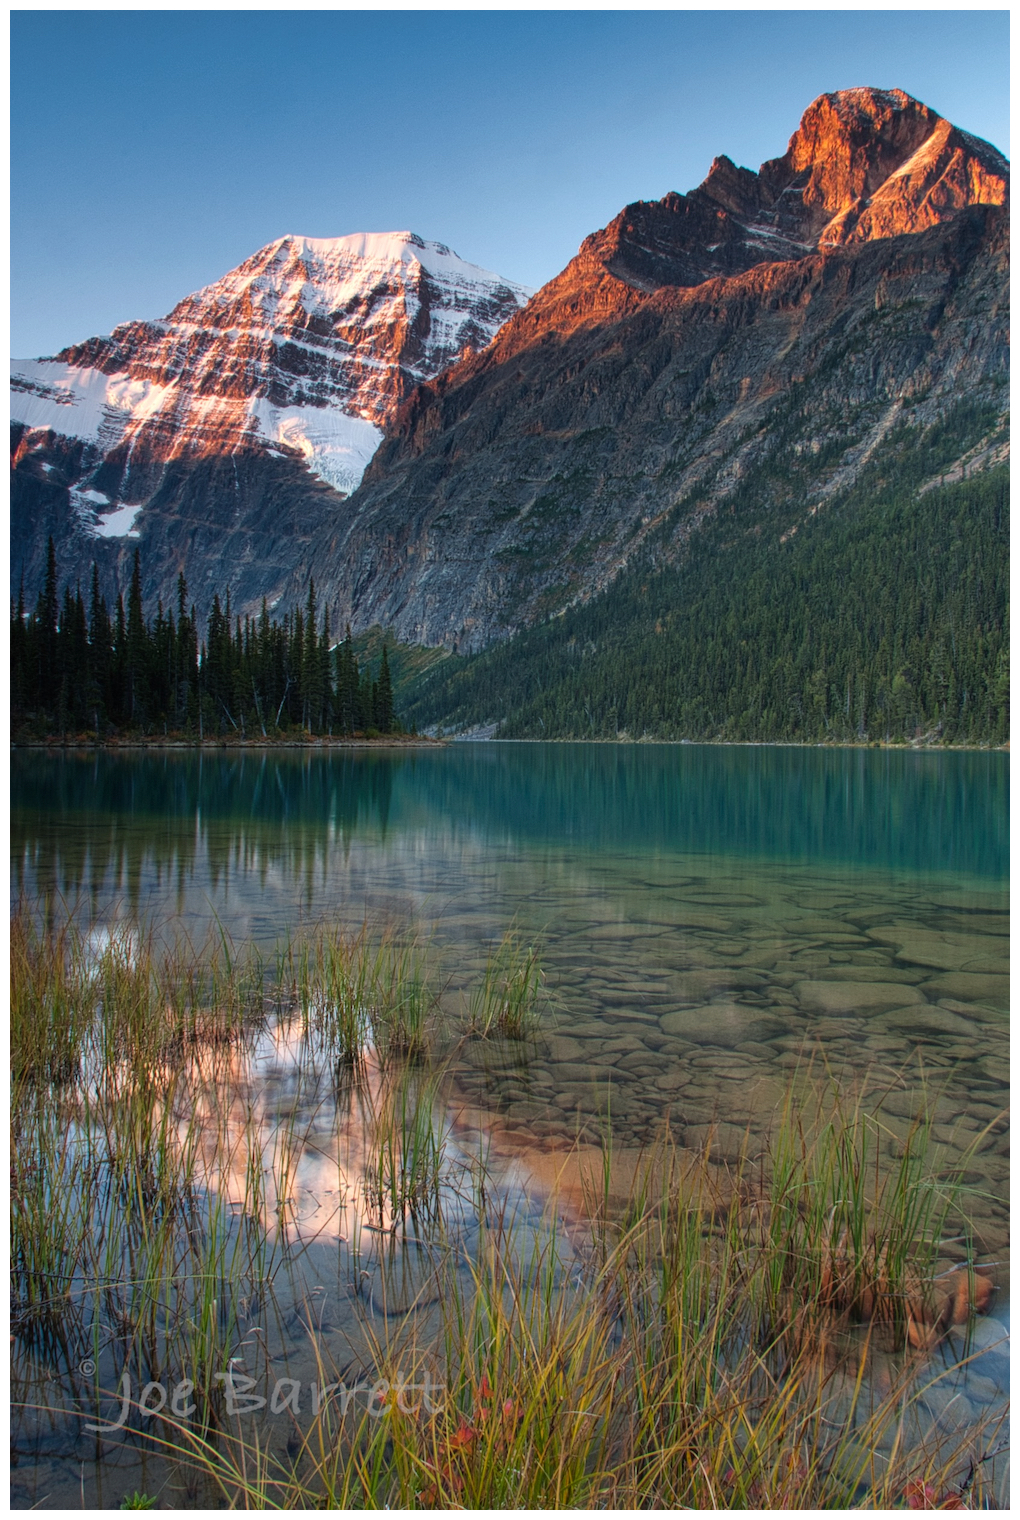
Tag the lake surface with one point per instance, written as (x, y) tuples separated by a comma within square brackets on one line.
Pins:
[(710, 920), (705, 914)]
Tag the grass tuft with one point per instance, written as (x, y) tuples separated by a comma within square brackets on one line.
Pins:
[(507, 1001)]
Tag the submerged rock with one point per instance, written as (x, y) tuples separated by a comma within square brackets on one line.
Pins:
[(930, 1019), (856, 997), (726, 1024), (971, 986)]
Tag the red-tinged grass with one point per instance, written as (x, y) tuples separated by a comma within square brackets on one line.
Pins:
[(664, 1373)]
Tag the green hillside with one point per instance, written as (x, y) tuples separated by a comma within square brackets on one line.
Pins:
[(883, 616), (408, 662)]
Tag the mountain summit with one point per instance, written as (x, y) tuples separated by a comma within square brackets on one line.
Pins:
[(863, 164), (303, 353), (775, 327)]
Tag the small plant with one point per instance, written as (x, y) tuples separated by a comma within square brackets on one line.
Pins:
[(52, 1001), (138, 1500), (334, 979), (407, 1147), (851, 1235), (506, 1003), (405, 1003)]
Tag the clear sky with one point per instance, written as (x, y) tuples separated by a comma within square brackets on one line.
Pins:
[(153, 151)]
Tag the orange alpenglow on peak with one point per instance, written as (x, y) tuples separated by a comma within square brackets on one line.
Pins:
[(863, 164), (879, 163)]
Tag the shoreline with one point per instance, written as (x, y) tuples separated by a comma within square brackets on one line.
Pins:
[(390, 741), (916, 745), (408, 741)]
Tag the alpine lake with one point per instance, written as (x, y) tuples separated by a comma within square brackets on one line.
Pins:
[(702, 928)]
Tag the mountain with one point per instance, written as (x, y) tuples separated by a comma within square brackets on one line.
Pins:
[(736, 471), (782, 324), (221, 436)]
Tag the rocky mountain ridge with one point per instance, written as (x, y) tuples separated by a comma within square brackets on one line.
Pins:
[(855, 285), (778, 325)]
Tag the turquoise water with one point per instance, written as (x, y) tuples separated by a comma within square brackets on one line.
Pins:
[(920, 811), (709, 920)]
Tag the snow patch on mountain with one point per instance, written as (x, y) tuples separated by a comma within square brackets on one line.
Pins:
[(116, 523), (336, 447), (80, 402), (119, 524), (101, 409)]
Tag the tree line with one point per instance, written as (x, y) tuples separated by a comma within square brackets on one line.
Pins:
[(79, 666)]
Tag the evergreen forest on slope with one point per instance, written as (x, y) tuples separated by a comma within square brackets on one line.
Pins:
[(882, 616)]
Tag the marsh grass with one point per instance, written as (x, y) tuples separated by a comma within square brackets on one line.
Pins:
[(334, 980), (406, 1002), (52, 1001), (507, 1001), (742, 1338), (644, 1383), (407, 1145)]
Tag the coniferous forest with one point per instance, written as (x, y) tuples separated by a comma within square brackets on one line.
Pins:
[(77, 667), (882, 618)]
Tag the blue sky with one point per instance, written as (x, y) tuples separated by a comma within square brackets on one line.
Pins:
[(152, 151)]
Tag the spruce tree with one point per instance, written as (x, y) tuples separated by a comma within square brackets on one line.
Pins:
[(136, 650), (383, 694), (347, 685), (19, 654), (46, 619)]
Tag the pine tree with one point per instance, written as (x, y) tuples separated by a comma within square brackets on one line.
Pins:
[(383, 695), (216, 665), (100, 655), (325, 677), (136, 650), (19, 654), (118, 665), (257, 672), (347, 685), (46, 619), (74, 656), (312, 693)]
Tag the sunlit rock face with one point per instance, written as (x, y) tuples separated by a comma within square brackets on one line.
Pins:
[(856, 284), (227, 430), (863, 164)]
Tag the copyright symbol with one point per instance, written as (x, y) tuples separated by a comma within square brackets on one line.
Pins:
[(87, 1366)]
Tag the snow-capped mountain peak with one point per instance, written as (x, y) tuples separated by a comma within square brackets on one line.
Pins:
[(307, 347)]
